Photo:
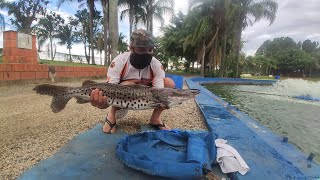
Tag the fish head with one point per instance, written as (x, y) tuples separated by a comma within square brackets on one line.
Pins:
[(171, 97)]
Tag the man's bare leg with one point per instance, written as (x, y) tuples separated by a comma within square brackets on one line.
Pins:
[(156, 120), (155, 117), (112, 118)]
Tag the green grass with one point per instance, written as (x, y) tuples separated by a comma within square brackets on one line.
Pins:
[(63, 63), (1, 59)]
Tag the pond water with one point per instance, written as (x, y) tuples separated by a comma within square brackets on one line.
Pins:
[(275, 107)]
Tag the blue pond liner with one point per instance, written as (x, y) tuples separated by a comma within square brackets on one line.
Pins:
[(171, 154), (308, 98), (268, 156)]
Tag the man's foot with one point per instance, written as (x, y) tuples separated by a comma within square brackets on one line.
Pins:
[(159, 126), (109, 127)]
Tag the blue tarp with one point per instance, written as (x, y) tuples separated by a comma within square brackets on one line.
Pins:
[(173, 154)]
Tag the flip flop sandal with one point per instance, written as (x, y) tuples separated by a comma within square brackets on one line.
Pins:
[(111, 125), (157, 126)]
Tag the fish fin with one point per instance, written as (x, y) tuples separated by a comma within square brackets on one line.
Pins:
[(173, 103), (81, 100), (48, 89), (88, 82), (138, 86), (155, 105), (59, 103)]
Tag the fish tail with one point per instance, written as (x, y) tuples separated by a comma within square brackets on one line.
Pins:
[(59, 103), (51, 90), (59, 93)]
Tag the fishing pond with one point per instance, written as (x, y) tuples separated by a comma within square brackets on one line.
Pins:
[(277, 107)]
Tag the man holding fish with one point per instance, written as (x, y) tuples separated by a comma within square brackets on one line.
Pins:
[(138, 66)]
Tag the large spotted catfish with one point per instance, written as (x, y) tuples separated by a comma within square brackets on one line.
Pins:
[(133, 97)]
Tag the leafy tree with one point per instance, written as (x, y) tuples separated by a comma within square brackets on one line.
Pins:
[(2, 21), (273, 48), (292, 60), (310, 47), (25, 13)]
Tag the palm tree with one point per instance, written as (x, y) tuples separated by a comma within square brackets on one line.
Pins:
[(80, 22), (157, 9), (205, 28), (90, 4), (132, 9), (99, 44), (67, 37), (258, 10), (47, 28)]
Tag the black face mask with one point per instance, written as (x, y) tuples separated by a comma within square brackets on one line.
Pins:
[(140, 61)]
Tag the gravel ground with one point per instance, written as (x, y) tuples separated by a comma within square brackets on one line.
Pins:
[(31, 132)]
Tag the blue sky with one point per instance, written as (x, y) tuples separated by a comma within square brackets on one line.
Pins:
[(295, 18)]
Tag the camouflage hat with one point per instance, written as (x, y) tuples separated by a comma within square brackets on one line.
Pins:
[(142, 38)]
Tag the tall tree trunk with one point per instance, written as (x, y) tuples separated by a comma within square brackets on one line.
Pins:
[(202, 56), (223, 56), (150, 20), (131, 18), (70, 59), (51, 47), (237, 47), (105, 7), (211, 57), (114, 28), (91, 14)]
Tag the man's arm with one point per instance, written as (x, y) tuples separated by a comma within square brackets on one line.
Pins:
[(113, 76), (158, 73)]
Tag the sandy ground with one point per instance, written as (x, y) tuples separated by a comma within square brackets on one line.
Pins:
[(31, 132)]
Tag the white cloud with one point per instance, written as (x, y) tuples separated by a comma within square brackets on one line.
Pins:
[(296, 19)]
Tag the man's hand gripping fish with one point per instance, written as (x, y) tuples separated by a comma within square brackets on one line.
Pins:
[(134, 97)]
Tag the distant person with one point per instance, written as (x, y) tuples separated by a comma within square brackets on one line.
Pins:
[(137, 66)]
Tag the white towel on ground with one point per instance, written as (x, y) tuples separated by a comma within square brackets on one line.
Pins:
[(229, 159)]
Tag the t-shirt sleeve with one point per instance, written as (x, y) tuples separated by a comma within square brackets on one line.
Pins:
[(158, 74), (115, 69)]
